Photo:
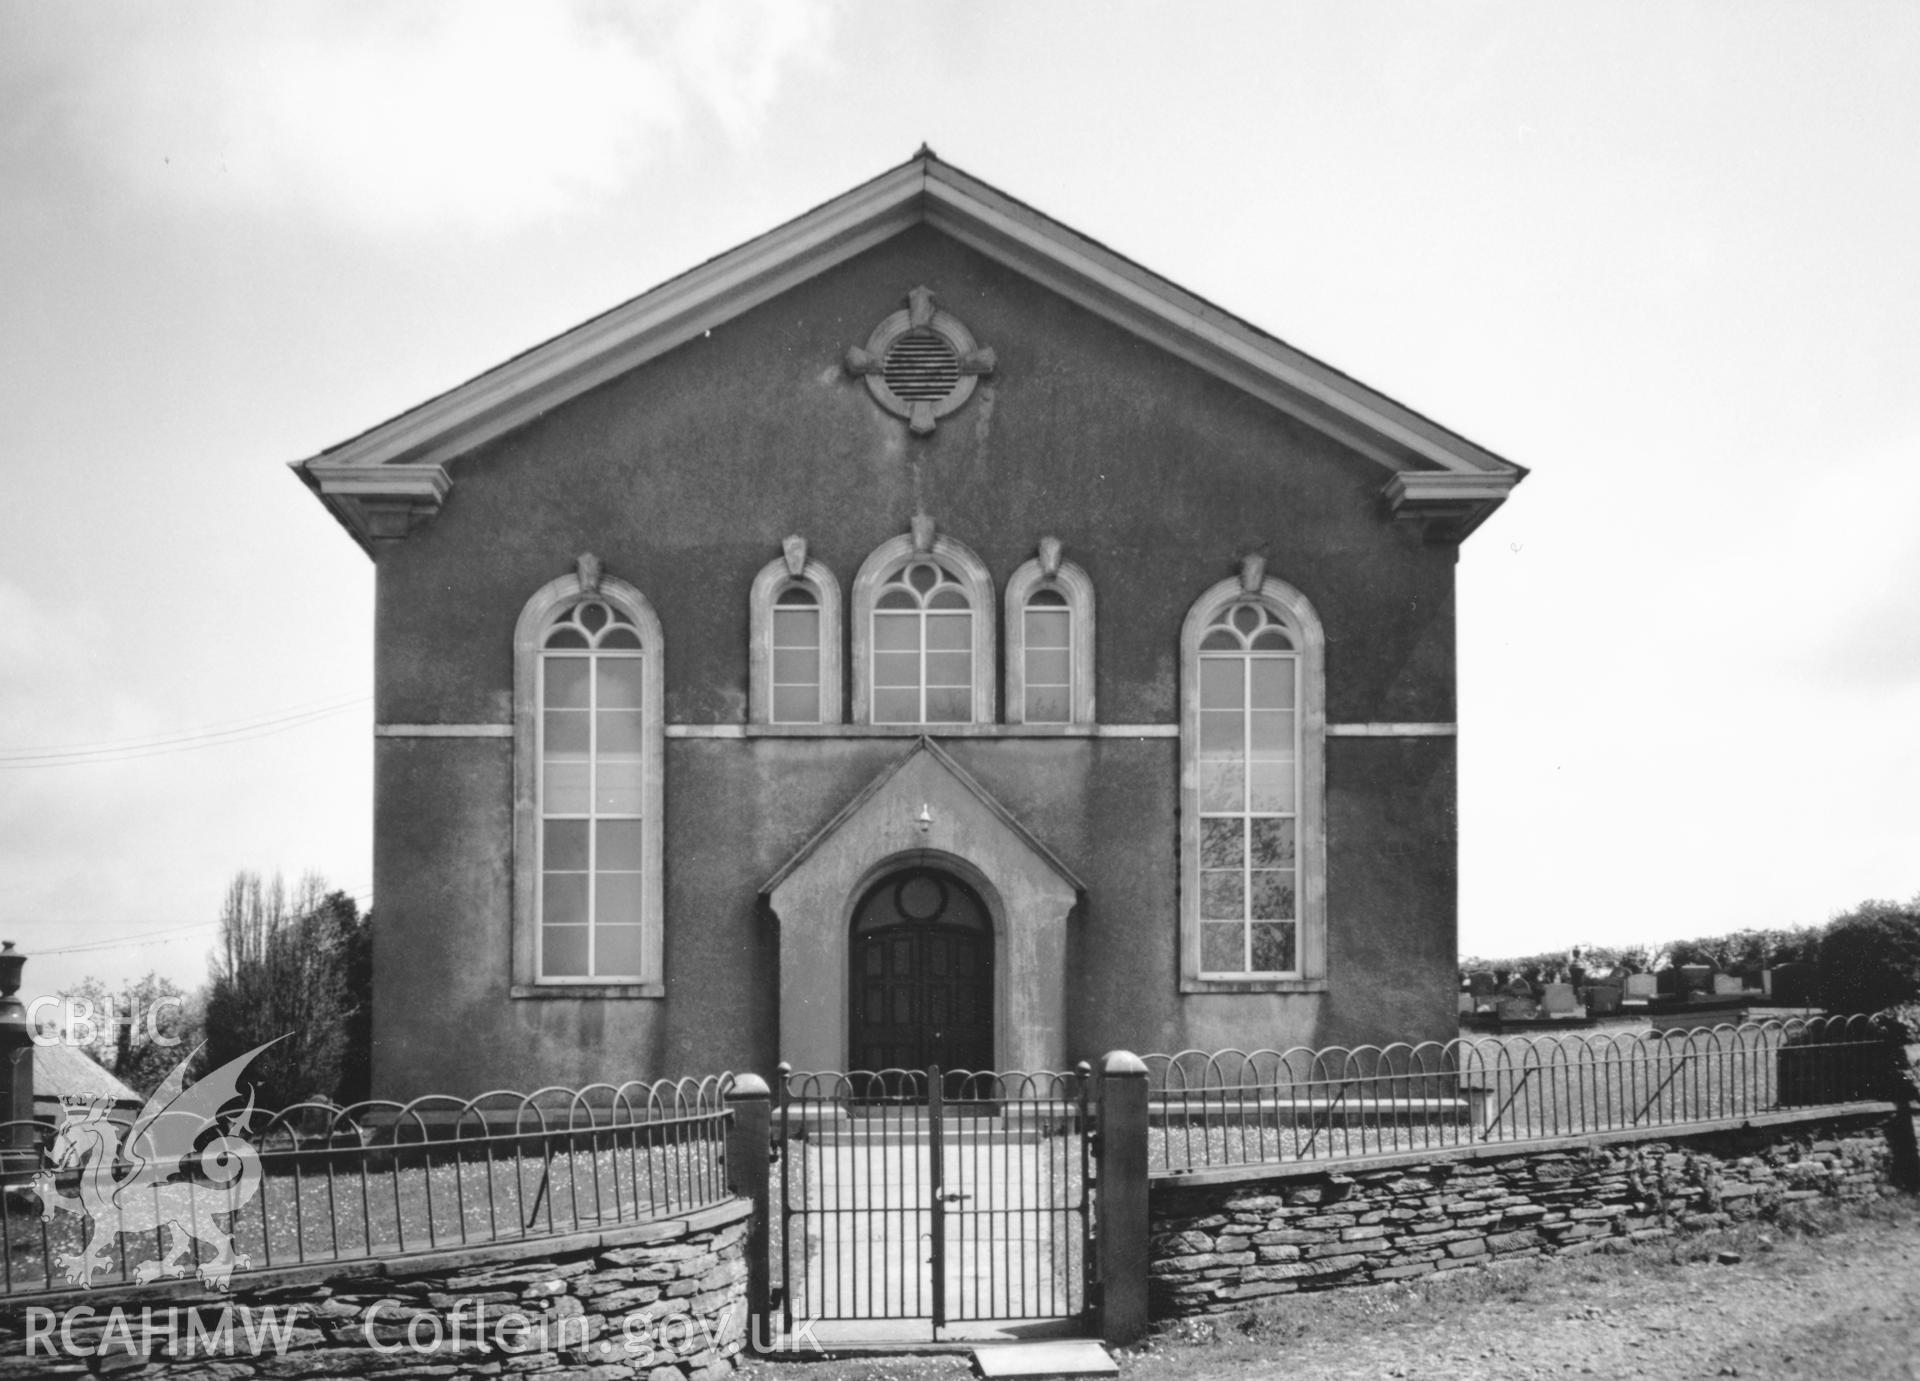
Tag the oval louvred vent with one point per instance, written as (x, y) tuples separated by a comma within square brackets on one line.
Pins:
[(922, 367)]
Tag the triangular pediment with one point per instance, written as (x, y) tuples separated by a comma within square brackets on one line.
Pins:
[(924, 802), (388, 479), (925, 811)]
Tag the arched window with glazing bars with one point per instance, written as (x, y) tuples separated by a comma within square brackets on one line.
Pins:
[(794, 618), (923, 635), (587, 786), (1253, 844)]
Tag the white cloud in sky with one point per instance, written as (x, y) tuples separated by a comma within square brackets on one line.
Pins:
[(479, 115), (47, 647), (25, 630)]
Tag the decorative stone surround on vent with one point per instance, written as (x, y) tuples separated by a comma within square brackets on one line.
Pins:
[(920, 363)]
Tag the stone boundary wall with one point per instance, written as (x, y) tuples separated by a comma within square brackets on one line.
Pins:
[(1219, 1247), (664, 1300)]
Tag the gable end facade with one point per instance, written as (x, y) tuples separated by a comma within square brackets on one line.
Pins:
[(1124, 696)]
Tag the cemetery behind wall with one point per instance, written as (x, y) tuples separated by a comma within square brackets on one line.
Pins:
[(1254, 1234)]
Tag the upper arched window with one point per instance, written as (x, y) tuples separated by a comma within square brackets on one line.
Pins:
[(923, 635), (1049, 642), (1253, 841), (587, 789), (794, 669)]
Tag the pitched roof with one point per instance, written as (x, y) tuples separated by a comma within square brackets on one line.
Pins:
[(65, 1071), (387, 479)]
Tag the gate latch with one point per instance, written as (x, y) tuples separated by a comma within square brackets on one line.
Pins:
[(954, 1198)]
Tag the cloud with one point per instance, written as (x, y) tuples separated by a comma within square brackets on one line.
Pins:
[(1846, 572), (42, 641), (478, 115), (26, 630)]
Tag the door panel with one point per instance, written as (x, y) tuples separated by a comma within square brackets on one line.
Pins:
[(921, 965)]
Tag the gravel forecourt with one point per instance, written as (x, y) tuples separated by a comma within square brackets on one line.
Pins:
[(1834, 1296), (1844, 1304)]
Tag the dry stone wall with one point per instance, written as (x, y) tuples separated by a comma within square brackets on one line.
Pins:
[(665, 1301), (1223, 1247)]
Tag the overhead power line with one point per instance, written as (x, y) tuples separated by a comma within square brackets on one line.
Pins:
[(361, 894), (237, 731), (150, 937), (241, 723)]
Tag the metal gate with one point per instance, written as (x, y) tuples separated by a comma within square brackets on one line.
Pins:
[(936, 1199)]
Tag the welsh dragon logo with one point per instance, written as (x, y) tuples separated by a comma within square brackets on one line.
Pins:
[(170, 1173)]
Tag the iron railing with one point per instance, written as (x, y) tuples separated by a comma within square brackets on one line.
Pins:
[(329, 1184), (917, 1194), (1232, 1107)]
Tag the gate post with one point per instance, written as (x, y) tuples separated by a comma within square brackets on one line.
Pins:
[(1121, 1177), (1901, 1086), (749, 1152)]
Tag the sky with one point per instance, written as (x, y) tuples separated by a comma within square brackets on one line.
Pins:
[(1661, 254)]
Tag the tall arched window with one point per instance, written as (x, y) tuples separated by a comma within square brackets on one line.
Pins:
[(1049, 642), (794, 667), (923, 635), (587, 788), (1253, 844)]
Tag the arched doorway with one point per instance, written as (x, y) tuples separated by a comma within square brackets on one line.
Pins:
[(920, 981)]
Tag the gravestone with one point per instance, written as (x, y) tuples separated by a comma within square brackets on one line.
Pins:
[(1793, 984), (1641, 986), (1557, 1000)]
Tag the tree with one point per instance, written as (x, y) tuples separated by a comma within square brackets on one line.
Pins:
[(141, 1032), (1747, 949), (356, 1061), (1869, 958), (285, 970)]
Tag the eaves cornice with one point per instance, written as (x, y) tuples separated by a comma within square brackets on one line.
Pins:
[(1447, 506)]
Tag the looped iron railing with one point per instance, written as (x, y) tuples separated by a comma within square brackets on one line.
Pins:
[(379, 1178), (959, 1087), (1240, 1107)]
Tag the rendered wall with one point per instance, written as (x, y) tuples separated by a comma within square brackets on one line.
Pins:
[(685, 475)]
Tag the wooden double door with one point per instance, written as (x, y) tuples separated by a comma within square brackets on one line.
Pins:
[(921, 985)]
